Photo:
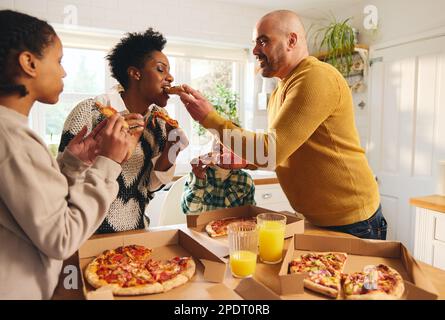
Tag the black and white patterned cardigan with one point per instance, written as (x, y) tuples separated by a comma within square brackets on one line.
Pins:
[(136, 182)]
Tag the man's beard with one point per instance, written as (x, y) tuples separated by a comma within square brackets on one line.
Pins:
[(268, 69)]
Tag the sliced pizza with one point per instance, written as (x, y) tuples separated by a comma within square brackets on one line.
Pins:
[(164, 116), (129, 270), (323, 271), (218, 228), (378, 282)]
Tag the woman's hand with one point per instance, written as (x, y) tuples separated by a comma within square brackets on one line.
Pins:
[(114, 140), (137, 125)]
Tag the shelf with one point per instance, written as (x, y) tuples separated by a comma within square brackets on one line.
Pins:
[(358, 47)]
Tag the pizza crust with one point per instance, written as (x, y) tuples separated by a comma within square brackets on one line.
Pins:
[(189, 271), (92, 277), (138, 290), (174, 90), (372, 296), (212, 233), (177, 281), (210, 230)]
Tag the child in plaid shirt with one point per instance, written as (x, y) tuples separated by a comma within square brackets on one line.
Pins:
[(217, 181)]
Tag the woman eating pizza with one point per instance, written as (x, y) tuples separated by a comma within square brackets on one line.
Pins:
[(143, 73), (47, 208)]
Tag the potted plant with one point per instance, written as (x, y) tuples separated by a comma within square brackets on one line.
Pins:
[(338, 39)]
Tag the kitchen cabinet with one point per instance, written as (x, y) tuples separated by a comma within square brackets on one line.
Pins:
[(271, 196), (429, 234)]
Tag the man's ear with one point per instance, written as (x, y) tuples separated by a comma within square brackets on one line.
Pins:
[(27, 62), (293, 40), (134, 73)]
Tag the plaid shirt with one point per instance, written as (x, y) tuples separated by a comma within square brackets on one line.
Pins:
[(211, 193)]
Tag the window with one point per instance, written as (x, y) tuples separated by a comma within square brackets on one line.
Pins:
[(88, 75), (203, 75)]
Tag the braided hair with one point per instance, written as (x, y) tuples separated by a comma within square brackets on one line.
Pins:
[(19, 32), (133, 51)]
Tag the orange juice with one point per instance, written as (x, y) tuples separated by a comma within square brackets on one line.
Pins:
[(271, 241), (243, 263)]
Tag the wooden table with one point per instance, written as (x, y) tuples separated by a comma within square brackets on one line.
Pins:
[(437, 276)]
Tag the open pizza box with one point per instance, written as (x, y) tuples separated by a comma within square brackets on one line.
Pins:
[(360, 254), (198, 222), (206, 284)]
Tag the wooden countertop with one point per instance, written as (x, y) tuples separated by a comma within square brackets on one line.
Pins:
[(436, 276), (433, 202)]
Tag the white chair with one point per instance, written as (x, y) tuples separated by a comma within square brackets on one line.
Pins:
[(171, 211)]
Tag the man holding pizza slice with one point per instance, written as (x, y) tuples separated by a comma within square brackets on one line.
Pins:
[(311, 133)]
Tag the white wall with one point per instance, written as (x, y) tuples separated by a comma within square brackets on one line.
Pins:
[(194, 21), (187, 19), (400, 18), (397, 18)]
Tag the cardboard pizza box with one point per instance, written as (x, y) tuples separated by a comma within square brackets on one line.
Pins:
[(206, 284), (198, 222), (361, 252)]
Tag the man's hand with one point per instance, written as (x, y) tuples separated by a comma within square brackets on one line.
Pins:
[(195, 103), (114, 139)]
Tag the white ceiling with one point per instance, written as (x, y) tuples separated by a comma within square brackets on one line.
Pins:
[(309, 8)]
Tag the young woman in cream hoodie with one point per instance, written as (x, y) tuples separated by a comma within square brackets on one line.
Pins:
[(47, 209)]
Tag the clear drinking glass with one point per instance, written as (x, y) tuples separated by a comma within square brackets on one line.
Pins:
[(243, 248), (271, 237)]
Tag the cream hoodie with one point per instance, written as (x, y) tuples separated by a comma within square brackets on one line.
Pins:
[(46, 211)]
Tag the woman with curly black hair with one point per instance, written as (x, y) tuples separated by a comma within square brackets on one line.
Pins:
[(143, 72), (47, 209)]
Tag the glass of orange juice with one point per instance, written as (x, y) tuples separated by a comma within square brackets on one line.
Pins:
[(243, 248), (271, 228)]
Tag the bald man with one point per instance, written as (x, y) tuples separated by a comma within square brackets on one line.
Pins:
[(311, 131)]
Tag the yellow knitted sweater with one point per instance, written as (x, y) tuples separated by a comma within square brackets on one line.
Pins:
[(319, 162)]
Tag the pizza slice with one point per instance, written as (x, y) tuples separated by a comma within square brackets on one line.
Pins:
[(218, 228), (378, 282), (324, 271), (108, 112), (174, 90)]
